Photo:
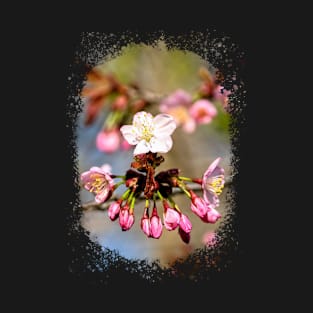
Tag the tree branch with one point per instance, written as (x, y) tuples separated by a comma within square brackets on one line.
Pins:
[(104, 206)]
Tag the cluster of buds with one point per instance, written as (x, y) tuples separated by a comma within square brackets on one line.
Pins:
[(152, 135), (123, 101)]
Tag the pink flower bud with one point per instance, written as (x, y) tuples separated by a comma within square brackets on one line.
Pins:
[(198, 205), (156, 224), (108, 141), (145, 224), (171, 217), (120, 103), (185, 223), (183, 235), (126, 218), (211, 216), (114, 210)]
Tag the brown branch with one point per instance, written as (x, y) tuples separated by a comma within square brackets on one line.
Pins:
[(104, 206)]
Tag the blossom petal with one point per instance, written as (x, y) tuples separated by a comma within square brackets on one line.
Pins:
[(164, 125), (102, 196), (212, 167), (142, 147), (160, 144), (129, 133), (211, 198)]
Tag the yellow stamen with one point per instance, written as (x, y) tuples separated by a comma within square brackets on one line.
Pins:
[(98, 185), (216, 185)]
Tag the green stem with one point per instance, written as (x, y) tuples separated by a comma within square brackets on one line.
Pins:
[(185, 178), (132, 205), (125, 194), (159, 195), (183, 188), (118, 184), (147, 203)]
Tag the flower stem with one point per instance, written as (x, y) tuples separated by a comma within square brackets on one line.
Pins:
[(185, 178), (118, 176), (147, 203), (132, 205), (125, 194), (183, 188), (118, 184), (159, 195)]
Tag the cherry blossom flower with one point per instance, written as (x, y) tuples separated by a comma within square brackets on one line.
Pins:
[(177, 105), (203, 111), (150, 133), (213, 183), (99, 182), (108, 140)]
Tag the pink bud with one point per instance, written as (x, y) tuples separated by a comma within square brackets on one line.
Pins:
[(183, 235), (156, 224), (185, 223), (212, 216), (114, 210), (171, 218), (126, 219), (125, 145), (108, 141), (198, 205), (145, 224), (120, 103)]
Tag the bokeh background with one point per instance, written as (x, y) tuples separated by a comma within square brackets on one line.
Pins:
[(158, 71)]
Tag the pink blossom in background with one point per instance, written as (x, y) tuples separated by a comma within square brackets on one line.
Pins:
[(177, 105), (125, 145), (203, 111), (213, 183), (178, 98), (221, 94), (114, 210), (99, 182), (210, 238), (126, 219), (120, 103), (108, 140), (156, 224)]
